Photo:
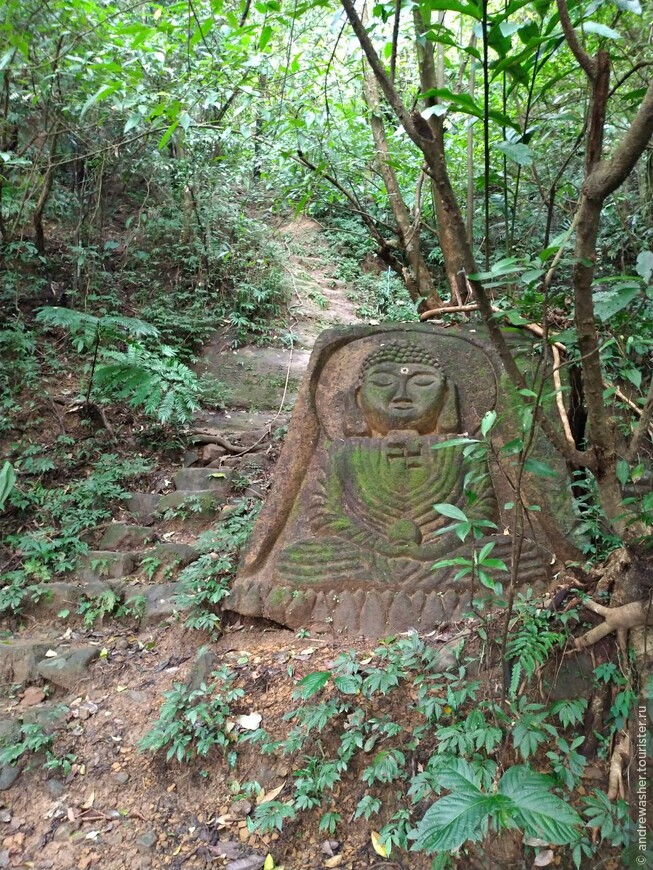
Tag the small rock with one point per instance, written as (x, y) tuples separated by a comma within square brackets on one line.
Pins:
[(8, 776), (240, 809), (5, 816), (67, 669), (4, 858), (32, 695), (55, 788), (190, 458), (212, 452), (147, 840), (205, 663), (120, 778)]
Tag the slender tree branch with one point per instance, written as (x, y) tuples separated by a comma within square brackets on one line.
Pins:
[(642, 427), (583, 58), (611, 174)]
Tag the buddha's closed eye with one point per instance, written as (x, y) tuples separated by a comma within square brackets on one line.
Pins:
[(382, 380)]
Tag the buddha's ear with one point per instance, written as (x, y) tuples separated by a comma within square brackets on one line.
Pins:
[(355, 423), (449, 420)]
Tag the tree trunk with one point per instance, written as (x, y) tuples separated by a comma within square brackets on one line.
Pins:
[(418, 278), (456, 250), (46, 189)]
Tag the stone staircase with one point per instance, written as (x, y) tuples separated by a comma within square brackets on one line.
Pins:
[(138, 556)]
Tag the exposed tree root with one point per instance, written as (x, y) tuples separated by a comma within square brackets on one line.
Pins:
[(619, 619), (616, 781)]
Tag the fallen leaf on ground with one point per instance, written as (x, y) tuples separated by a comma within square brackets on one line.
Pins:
[(378, 846), (249, 722), (270, 795)]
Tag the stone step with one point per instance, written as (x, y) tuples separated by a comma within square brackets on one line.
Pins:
[(189, 504), (143, 505), (236, 422), (124, 536), (107, 565), (201, 480), (59, 596)]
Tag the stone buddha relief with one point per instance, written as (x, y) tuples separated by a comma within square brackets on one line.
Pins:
[(349, 535)]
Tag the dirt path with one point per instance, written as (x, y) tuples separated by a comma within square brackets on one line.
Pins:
[(99, 689), (262, 380)]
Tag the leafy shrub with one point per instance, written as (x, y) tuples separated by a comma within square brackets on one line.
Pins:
[(193, 721)]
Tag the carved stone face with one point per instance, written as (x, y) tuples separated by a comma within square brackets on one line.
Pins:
[(402, 396)]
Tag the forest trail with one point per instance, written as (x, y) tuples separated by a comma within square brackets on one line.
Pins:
[(99, 687), (262, 379)]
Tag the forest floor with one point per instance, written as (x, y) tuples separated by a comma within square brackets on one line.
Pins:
[(120, 808)]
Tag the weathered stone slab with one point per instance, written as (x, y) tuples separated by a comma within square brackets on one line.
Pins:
[(143, 505), (123, 536), (201, 479), (106, 564), (68, 668), (193, 503), (349, 536)]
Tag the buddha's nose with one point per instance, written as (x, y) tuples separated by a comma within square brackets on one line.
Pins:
[(401, 393)]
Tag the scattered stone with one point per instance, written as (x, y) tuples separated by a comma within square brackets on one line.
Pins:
[(31, 696), (212, 452), (55, 788), (18, 659), (68, 668), (190, 458), (8, 776), (123, 536), (205, 663), (256, 438), (201, 479), (50, 715), (240, 809), (160, 603), (5, 816), (143, 505), (120, 778), (232, 461), (147, 840), (121, 643)]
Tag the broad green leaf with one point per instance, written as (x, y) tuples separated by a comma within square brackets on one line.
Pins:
[(607, 303), (312, 684), (7, 483), (601, 30), (266, 35), (453, 820), (538, 812), (517, 151), (348, 684), (100, 94), (168, 133), (454, 6), (644, 266), (629, 6), (451, 511), (488, 422)]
